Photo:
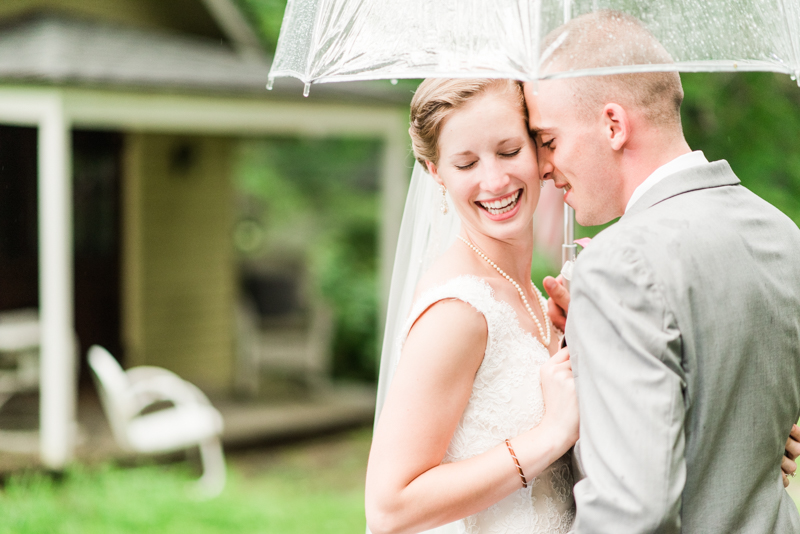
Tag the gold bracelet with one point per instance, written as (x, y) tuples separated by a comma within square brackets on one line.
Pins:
[(516, 463)]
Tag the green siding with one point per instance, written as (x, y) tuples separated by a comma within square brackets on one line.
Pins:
[(179, 274)]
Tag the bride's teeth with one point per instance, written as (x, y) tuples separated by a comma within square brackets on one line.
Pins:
[(498, 207)]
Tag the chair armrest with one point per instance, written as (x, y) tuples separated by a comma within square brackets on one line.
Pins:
[(154, 384), (148, 372)]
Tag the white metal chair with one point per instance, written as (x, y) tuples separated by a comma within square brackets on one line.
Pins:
[(190, 421), (302, 350), (19, 352)]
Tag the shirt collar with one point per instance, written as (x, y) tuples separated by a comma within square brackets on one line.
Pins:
[(679, 164)]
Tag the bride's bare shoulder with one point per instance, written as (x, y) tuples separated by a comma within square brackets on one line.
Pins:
[(463, 320)]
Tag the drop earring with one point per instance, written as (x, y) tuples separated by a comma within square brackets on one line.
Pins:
[(541, 184), (443, 204)]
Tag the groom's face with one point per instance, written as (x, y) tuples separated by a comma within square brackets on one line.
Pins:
[(573, 152)]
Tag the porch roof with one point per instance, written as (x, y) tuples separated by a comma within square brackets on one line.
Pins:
[(56, 50)]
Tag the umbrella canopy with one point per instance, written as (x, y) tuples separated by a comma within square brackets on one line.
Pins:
[(343, 40)]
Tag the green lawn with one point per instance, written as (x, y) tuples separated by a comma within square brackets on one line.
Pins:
[(314, 487)]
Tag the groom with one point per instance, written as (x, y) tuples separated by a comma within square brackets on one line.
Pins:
[(684, 324)]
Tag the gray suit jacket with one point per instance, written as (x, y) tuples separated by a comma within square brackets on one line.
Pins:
[(683, 331)]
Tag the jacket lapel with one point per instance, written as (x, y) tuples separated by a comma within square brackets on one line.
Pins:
[(716, 174)]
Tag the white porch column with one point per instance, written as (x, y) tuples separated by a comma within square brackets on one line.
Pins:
[(395, 176), (57, 380), (58, 401)]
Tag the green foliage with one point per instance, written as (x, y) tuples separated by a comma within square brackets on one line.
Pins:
[(319, 199), (348, 277), (267, 15), (752, 120), (542, 266), (314, 488)]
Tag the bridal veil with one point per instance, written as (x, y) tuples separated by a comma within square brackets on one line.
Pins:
[(425, 233)]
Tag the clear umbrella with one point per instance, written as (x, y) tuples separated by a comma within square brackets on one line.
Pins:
[(343, 40)]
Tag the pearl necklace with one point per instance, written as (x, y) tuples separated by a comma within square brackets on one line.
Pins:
[(542, 302)]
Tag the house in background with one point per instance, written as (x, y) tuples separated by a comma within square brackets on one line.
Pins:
[(118, 124)]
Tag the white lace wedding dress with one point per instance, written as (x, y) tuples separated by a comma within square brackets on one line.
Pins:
[(506, 400)]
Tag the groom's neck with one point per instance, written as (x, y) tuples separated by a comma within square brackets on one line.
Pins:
[(648, 154)]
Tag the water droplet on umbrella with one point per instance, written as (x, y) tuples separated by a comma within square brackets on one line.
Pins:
[(393, 81), (306, 89)]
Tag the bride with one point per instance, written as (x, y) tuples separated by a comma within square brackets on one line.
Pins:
[(478, 417)]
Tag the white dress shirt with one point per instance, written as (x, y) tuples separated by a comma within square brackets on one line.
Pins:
[(681, 163)]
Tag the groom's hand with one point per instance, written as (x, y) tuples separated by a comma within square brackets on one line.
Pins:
[(558, 304)]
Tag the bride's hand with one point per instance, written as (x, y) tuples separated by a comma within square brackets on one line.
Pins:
[(560, 400)]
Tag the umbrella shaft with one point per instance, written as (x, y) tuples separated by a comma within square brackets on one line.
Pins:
[(569, 249)]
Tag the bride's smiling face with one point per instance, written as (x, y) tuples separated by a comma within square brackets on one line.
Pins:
[(487, 162)]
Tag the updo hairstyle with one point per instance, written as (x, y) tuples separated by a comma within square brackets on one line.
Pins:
[(437, 98)]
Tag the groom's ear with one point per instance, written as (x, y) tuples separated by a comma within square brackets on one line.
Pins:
[(616, 125)]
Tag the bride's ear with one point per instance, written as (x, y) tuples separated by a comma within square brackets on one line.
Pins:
[(433, 172)]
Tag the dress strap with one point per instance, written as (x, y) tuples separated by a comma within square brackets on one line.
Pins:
[(470, 289)]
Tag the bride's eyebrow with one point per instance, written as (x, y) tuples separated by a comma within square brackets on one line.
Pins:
[(509, 140)]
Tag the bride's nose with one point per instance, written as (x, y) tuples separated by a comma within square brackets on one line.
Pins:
[(495, 178)]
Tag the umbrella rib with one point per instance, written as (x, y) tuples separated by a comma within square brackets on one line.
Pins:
[(794, 38)]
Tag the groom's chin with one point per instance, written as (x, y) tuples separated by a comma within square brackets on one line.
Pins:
[(589, 218)]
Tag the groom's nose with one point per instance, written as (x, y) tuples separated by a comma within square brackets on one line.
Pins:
[(545, 167)]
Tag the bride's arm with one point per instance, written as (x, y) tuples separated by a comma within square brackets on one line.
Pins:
[(407, 488)]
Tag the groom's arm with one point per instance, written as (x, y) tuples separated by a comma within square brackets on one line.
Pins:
[(626, 357)]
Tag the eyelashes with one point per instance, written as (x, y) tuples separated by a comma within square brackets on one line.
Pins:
[(510, 154)]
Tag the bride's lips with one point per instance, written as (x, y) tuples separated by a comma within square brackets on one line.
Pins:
[(501, 208)]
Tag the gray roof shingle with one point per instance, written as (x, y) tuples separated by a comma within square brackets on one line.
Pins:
[(62, 51)]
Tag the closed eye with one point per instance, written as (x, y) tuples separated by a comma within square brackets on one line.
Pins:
[(465, 167), (549, 145), (512, 153)]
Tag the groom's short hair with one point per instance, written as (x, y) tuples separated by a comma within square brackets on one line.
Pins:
[(608, 39)]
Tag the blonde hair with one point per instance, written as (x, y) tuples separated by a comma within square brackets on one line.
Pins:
[(610, 38), (437, 98)]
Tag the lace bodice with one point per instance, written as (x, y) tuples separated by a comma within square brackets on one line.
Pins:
[(506, 400)]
